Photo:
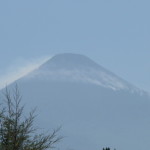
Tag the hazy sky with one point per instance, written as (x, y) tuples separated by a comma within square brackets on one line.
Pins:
[(114, 33)]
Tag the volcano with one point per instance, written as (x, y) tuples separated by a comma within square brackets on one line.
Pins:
[(95, 107)]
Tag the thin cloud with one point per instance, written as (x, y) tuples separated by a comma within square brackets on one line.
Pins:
[(17, 71)]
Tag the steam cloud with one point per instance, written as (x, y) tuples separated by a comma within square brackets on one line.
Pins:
[(17, 71)]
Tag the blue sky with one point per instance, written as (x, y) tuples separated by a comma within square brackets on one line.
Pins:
[(114, 33)]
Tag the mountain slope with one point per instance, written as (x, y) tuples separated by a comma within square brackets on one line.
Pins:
[(79, 68), (95, 107)]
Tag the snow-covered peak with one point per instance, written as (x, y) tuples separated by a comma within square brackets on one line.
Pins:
[(78, 68)]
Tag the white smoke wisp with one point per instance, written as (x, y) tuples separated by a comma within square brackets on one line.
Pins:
[(15, 72)]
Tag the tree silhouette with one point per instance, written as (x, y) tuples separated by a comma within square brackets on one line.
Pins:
[(18, 132), (107, 148)]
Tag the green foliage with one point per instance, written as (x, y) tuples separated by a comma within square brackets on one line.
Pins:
[(16, 131)]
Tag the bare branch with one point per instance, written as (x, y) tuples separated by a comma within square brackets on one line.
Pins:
[(18, 132)]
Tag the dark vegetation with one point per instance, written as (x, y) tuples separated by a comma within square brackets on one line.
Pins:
[(107, 148), (17, 132)]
